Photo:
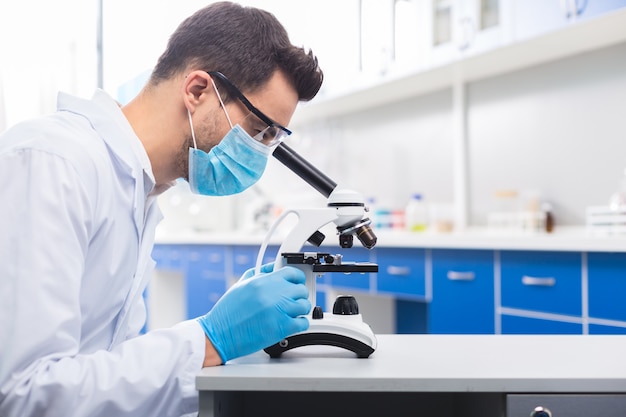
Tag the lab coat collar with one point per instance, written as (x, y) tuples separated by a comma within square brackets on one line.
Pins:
[(107, 118)]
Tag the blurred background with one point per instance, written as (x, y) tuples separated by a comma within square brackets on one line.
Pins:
[(479, 106)]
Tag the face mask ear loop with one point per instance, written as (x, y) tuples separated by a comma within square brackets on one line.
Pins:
[(193, 135), (222, 103)]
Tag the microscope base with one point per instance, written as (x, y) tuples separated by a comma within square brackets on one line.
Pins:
[(361, 349), (344, 331)]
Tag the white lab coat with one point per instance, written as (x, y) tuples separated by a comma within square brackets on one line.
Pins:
[(77, 222)]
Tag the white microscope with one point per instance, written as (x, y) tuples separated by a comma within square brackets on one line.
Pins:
[(344, 327)]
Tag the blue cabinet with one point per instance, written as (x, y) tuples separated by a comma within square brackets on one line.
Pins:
[(603, 329), (443, 290), (548, 282), (169, 257), (204, 278), (244, 257), (607, 285), (401, 272), (532, 325), (359, 282), (463, 292)]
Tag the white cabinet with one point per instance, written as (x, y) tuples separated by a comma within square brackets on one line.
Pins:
[(461, 28), (380, 41), (600, 32), (393, 39), (536, 17)]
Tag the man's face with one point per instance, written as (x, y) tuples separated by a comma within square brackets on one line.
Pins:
[(276, 100)]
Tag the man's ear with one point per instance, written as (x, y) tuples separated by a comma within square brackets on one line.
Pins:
[(196, 89)]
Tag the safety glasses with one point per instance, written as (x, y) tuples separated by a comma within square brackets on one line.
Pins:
[(260, 127)]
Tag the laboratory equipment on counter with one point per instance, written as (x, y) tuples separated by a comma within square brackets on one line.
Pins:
[(344, 327)]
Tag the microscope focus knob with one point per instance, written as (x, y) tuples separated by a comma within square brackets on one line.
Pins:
[(345, 305), (318, 313)]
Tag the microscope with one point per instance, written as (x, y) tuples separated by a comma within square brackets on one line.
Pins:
[(344, 327)]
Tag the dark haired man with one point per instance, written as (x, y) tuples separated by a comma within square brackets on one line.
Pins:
[(77, 226)]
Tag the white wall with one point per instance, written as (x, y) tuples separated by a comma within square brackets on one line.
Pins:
[(558, 129), (45, 46)]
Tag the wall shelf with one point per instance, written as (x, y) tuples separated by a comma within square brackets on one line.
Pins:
[(577, 38)]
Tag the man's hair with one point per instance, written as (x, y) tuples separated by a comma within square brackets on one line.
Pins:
[(245, 44)]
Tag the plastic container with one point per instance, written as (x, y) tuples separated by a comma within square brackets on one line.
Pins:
[(416, 214)]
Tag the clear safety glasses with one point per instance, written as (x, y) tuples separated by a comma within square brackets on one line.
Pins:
[(257, 124)]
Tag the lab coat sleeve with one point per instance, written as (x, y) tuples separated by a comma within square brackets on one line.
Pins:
[(44, 219)]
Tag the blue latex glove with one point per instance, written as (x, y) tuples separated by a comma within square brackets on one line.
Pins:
[(264, 269), (257, 312)]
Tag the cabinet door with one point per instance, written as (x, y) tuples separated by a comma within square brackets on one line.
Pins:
[(536, 17), (592, 8), (603, 329), (607, 285), (205, 280), (401, 272), (531, 325), (245, 256), (483, 25), (463, 292), (461, 28), (549, 282), (170, 257)]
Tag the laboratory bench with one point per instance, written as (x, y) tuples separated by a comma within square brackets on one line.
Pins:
[(415, 375), (476, 282)]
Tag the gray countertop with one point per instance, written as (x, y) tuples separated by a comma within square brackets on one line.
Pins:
[(436, 363)]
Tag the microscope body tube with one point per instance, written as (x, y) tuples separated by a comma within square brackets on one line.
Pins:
[(304, 169)]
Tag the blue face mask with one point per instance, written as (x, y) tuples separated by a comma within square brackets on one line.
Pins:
[(230, 167)]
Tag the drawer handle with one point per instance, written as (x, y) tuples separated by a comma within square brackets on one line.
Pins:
[(461, 276), (538, 282), (399, 270)]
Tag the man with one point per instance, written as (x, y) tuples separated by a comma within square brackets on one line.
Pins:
[(79, 213)]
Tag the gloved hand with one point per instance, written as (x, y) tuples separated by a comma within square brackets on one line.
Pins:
[(264, 269), (257, 312)]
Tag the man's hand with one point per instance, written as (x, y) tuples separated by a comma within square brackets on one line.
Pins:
[(255, 313)]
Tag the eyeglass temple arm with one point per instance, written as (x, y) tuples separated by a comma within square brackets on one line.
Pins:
[(304, 169)]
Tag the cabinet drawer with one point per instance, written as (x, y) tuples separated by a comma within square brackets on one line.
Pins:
[(401, 271), (607, 285), (542, 281), (244, 258), (206, 261), (529, 325), (463, 292), (170, 257), (572, 405), (604, 329), (202, 294)]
